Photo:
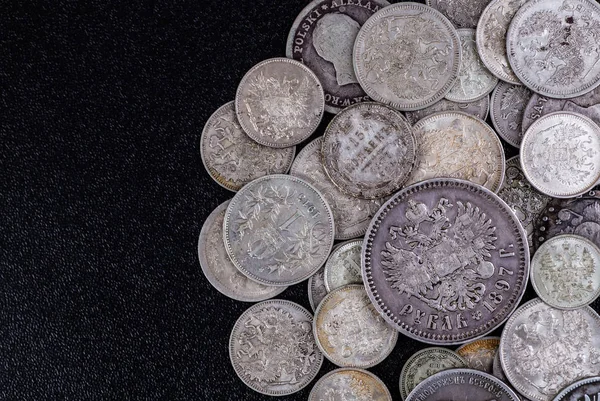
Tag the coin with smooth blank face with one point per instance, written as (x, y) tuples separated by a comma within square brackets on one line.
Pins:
[(350, 384), (478, 108), (586, 389), (507, 107), (479, 354), (343, 266)]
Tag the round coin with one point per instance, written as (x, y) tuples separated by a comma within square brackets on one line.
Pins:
[(350, 384), (507, 107), (316, 288), (497, 367), (278, 230), (479, 354), (343, 266), (478, 108), (462, 13), (586, 389)]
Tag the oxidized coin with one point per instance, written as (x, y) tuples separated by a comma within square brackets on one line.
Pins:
[(322, 37), (279, 102), (445, 261), (507, 107), (316, 288), (349, 331), (544, 349), (457, 145), (462, 13), (479, 354), (217, 266), (407, 55), (272, 348), (278, 230), (343, 266), (478, 108), (553, 46), (425, 363), (349, 384), (351, 215), (586, 389), (369, 150), (560, 154), (497, 367), (565, 271)]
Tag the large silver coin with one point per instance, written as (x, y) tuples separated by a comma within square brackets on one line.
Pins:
[(351, 215), (316, 288), (507, 107), (322, 38), (553, 46), (272, 348), (560, 154), (479, 354), (407, 55), (279, 102), (462, 13), (349, 331), (478, 108), (457, 145), (369, 150), (544, 349), (586, 390), (349, 384), (278, 230), (343, 266)]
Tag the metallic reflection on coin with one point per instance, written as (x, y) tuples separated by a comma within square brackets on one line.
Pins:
[(351, 385), (478, 108), (497, 367), (507, 107), (462, 13), (479, 354), (343, 266), (586, 389), (316, 288)]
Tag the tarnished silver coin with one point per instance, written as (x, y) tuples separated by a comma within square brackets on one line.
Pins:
[(479, 354), (407, 55), (349, 331), (462, 13), (560, 154), (544, 349), (565, 271), (349, 384), (279, 102), (507, 107), (553, 46), (322, 38), (369, 150), (351, 215), (272, 348), (278, 230), (457, 145), (343, 266), (581, 390), (425, 363), (445, 261), (316, 288), (497, 367), (478, 108), (217, 266)]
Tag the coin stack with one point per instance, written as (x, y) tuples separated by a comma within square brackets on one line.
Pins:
[(404, 217)]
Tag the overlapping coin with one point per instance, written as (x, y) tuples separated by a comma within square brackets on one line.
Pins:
[(507, 106), (478, 108), (343, 266), (586, 389), (350, 384), (479, 354)]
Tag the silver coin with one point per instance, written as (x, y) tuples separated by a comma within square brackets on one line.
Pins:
[(349, 331), (351, 215), (278, 230), (560, 154), (479, 354), (407, 55), (457, 145), (349, 384), (497, 367), (586, 389), (478, 108), (425, 363), (462, 13), (445, 261), (217, 266), (322, 38), (544, 349), (565, 271), (343, 266), (507, 107), (272, 348), (279, 102), (316, 288), (553, 46), (369, 150)]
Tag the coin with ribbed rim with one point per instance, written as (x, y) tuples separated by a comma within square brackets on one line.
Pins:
[(350, 384), (585, 389), (478, 108), (343, 266)]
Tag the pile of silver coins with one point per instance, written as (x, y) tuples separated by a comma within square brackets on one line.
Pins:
[(404, 217)]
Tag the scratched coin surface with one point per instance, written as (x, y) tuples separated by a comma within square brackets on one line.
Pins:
[(369, 150), (445, 261), (553, 46), (478, 108), (544, 349), (316, 288), (351, 215), (349, 331), (349, 385), (343, 266), (278, 230), (479, 354), (407, 55), (272, 348), (582, 390), (322, 38), (507, 107), (462, 13), (279, 102)]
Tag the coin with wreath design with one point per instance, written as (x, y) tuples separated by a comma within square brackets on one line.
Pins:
[(349, 385)]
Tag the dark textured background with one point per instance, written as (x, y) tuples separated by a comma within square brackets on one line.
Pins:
[(104, 194)]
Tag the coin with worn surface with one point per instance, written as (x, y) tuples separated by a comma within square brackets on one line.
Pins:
[(407, 55), (462, 13), (425, 363), (343, 266), (349, 384), (279, 102), (582, 390), (369, 150), (479, 354), (322, 37), (544, 349), (478, 108), (456, 145), (349, 331), (497, 367), (316, 288), (553, 46), (278, 230), (565, 271), (272, 348), (560, 154), (351, 215), (507, 107)]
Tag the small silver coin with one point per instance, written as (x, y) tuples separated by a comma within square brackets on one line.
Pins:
[(507, 107), (349, 331), (462, 13), (586, 389), (392, 62), (278, 230), (478, 108), (279, 102), (316, 288), (479, 354), (272, 348), (349, 384), (497, 367), (343, 266)]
